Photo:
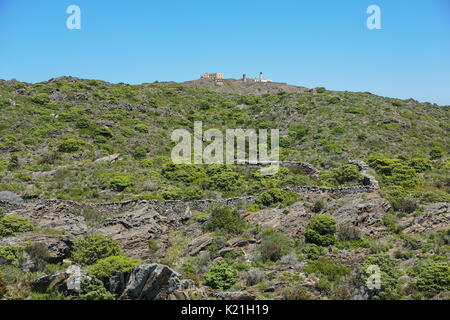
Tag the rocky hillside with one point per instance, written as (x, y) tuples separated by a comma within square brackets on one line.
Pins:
[(91, 206)]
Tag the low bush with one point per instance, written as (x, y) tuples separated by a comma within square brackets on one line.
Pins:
[(274, 245), (41, 98), (312, 251), (93, 248), (331, 269), (348, 232), (389, 277), (187, 173), (93, 289), (221, 275), (107, 267), (119, 181), (433, 277), (226, 220), (276, 196), (72, 145), (321, 230), (11, 254), (13, 224)]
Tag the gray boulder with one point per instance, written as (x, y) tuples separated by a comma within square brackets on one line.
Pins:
[(10, 197), (151, 282)]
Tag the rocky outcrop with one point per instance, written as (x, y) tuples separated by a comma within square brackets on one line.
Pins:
[(435, 217), (200, 243), (68, 281), (8, 196), (149, 282), (364, 213), (58, 247)]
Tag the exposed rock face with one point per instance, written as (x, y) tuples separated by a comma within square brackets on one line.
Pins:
[(134, 228), (58, 247), (436, 217), (199, 244), (151, 282), (110, 158), (366, 213), (56, 215), (236, 295), (10, 197), (69, 280), (292, 223)]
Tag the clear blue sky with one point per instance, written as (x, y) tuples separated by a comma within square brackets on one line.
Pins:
[(309, 43)]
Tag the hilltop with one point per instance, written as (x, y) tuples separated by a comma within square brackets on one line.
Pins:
[(245, 88)]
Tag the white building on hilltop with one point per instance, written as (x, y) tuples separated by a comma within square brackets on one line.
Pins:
[(259, 79)]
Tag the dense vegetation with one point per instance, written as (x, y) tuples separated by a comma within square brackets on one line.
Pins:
[(52, 133)]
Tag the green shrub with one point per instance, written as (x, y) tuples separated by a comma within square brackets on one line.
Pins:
[(274, 245), (187, 173), (225, 181), (119, 181), (107, 267), (226, 220), (275, 196), (321, 90), (312, 251), (103, 131), (436, 153), (13, 224), (3, 287), (93, 289), (390, 222), (40, 98), (389, 277), (11, 254), (318, 206), (93, 248), (420, 164), (221, 275), (331, 269), (72, 145), (397, 103), (153, 246), (321, 230), (140, 152), (13, 163), (298, 132), (347, 173), (172, 193), (394, 172), (433, 277)]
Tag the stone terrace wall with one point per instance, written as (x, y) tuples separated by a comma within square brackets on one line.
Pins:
[(370, 184)]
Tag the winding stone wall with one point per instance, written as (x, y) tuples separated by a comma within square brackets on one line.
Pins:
[(370, 184)]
